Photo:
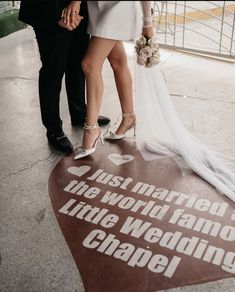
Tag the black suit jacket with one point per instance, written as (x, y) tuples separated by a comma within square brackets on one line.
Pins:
[(43, 13)]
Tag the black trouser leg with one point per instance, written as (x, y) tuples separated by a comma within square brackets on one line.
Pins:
[(74, 76), (53, 47)]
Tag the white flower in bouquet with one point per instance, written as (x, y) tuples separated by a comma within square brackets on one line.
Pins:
[(154, 46), (146, 52), (152, 41), (141, 60), (142, 41)]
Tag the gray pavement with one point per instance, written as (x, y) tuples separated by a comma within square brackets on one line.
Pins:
[(33, 253)]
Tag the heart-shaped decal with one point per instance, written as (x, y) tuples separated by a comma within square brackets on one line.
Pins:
[(119, 159), (144, 228), (79, 170)]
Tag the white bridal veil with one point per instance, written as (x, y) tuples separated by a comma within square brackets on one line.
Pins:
[(161, 133)]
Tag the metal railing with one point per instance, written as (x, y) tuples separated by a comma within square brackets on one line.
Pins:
[(198, 26)]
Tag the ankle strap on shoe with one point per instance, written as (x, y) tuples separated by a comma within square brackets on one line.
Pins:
[(86, 127), (131, 114)]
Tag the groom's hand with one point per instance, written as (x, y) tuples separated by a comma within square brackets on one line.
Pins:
[(64, 25), (73, 25)]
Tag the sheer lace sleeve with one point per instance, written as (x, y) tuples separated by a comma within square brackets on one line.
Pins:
[(147, 18)]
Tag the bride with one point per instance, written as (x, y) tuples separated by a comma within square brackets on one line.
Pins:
[(160, 131)]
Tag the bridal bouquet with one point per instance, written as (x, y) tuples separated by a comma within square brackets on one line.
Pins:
[(147, 51)]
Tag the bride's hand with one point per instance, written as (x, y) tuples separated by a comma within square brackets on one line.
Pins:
[(70, 12), (148, 32)]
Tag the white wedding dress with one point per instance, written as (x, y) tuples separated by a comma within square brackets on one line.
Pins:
[(114, 19), (160, 132)]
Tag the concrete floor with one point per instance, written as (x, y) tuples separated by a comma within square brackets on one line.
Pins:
[(33, 253)]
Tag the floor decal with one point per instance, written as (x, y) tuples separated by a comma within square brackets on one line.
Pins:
[(137, 226), (119, 159)]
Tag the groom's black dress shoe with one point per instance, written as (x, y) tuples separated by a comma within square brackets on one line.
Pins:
[(60, 141), (102, 120)]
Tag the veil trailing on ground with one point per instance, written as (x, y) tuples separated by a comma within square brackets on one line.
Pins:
[(160, 133)]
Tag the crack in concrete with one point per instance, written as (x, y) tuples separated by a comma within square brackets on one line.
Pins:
[(31, 165)]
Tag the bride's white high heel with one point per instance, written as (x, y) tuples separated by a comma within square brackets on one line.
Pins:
[(114, 136), (82, 152)]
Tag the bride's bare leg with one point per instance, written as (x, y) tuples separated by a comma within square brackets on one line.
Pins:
[(92, 64), (123, 79)]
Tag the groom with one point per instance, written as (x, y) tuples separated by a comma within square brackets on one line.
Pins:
[(61, 51)]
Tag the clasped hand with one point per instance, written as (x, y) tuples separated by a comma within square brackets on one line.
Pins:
[(70, 18)]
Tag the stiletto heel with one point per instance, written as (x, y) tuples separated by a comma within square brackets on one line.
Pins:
[(82, 152), (114, 136)]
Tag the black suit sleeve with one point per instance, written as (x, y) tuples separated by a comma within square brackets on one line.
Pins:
[(41, 13)]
